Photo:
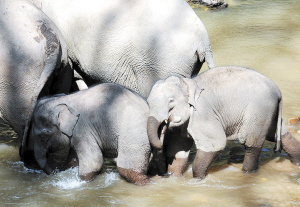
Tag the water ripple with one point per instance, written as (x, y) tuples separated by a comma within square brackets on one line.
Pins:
[(20, 167)]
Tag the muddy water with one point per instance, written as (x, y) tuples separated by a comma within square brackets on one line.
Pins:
[(259, 34)]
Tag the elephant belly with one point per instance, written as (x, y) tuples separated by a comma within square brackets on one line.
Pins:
[(110, 152)]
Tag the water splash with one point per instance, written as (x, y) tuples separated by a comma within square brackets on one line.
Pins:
[(68, 179), (110, 178)]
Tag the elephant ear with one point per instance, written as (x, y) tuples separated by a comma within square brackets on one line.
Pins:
[(194, 91), (67, 119)]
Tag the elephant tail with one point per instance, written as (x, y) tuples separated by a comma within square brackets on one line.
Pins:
[(205, 54), (279, 126), (209, 58)]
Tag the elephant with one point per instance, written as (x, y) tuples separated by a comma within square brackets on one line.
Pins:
[(131, 43), (104, 121), (33, 62), (220, 104)]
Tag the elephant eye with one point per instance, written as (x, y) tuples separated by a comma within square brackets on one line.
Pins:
[(171, 104), (171, 100)]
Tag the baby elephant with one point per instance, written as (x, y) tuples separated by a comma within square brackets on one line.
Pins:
[(233, 103), (106, 120)]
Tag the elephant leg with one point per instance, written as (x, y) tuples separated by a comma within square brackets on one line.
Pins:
[(201, 163), (292, 147), (179, 163), (250, 163), (90, 161), (158, 164), (178, 149), (133, 159)]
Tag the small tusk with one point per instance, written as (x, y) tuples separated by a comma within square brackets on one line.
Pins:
[(164, 129), (166, 121)]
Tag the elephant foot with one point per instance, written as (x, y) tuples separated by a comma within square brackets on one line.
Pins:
[(250, 163), (133, 176), (201, 163), (292, 147), (89, 176)]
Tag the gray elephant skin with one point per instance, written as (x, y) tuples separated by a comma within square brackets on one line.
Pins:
[(132, 43), (224, 103), (33, 56), (106, 120)]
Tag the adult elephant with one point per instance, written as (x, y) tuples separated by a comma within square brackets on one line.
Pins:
[(132, 43), (33, 55)]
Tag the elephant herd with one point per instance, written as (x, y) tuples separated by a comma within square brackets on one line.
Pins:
[(144, 106)]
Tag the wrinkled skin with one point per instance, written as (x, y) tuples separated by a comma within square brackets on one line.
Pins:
[(106, 120), (33, 59), (132, 43), (224, 103)]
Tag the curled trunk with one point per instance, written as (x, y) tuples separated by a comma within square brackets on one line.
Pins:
[(152, 131)]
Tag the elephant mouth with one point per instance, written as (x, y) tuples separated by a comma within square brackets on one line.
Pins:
[(163, 128)]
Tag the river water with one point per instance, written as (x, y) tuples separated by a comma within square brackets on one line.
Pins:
[(259, 34)]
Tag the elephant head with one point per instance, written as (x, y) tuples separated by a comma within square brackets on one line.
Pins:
[(171, 103), (52, 128)]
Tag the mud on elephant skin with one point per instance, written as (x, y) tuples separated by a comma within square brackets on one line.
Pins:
[(132, 43), (106, 120), (224, 103), (33, 55)]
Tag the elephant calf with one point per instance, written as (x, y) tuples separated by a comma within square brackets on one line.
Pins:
[(106, 120), (233, 103)]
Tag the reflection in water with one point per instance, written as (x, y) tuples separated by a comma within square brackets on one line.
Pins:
[(263, 35)]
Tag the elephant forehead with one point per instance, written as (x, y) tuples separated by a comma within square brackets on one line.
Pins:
[(43, 118), (161, 92), (171, 90), (173, 79), (168, 85)]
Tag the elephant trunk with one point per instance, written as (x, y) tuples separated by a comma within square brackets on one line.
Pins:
[(152, 131), (47, 169), (40, 154)]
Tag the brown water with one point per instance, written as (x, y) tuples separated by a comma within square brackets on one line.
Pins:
[(259, 34)]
